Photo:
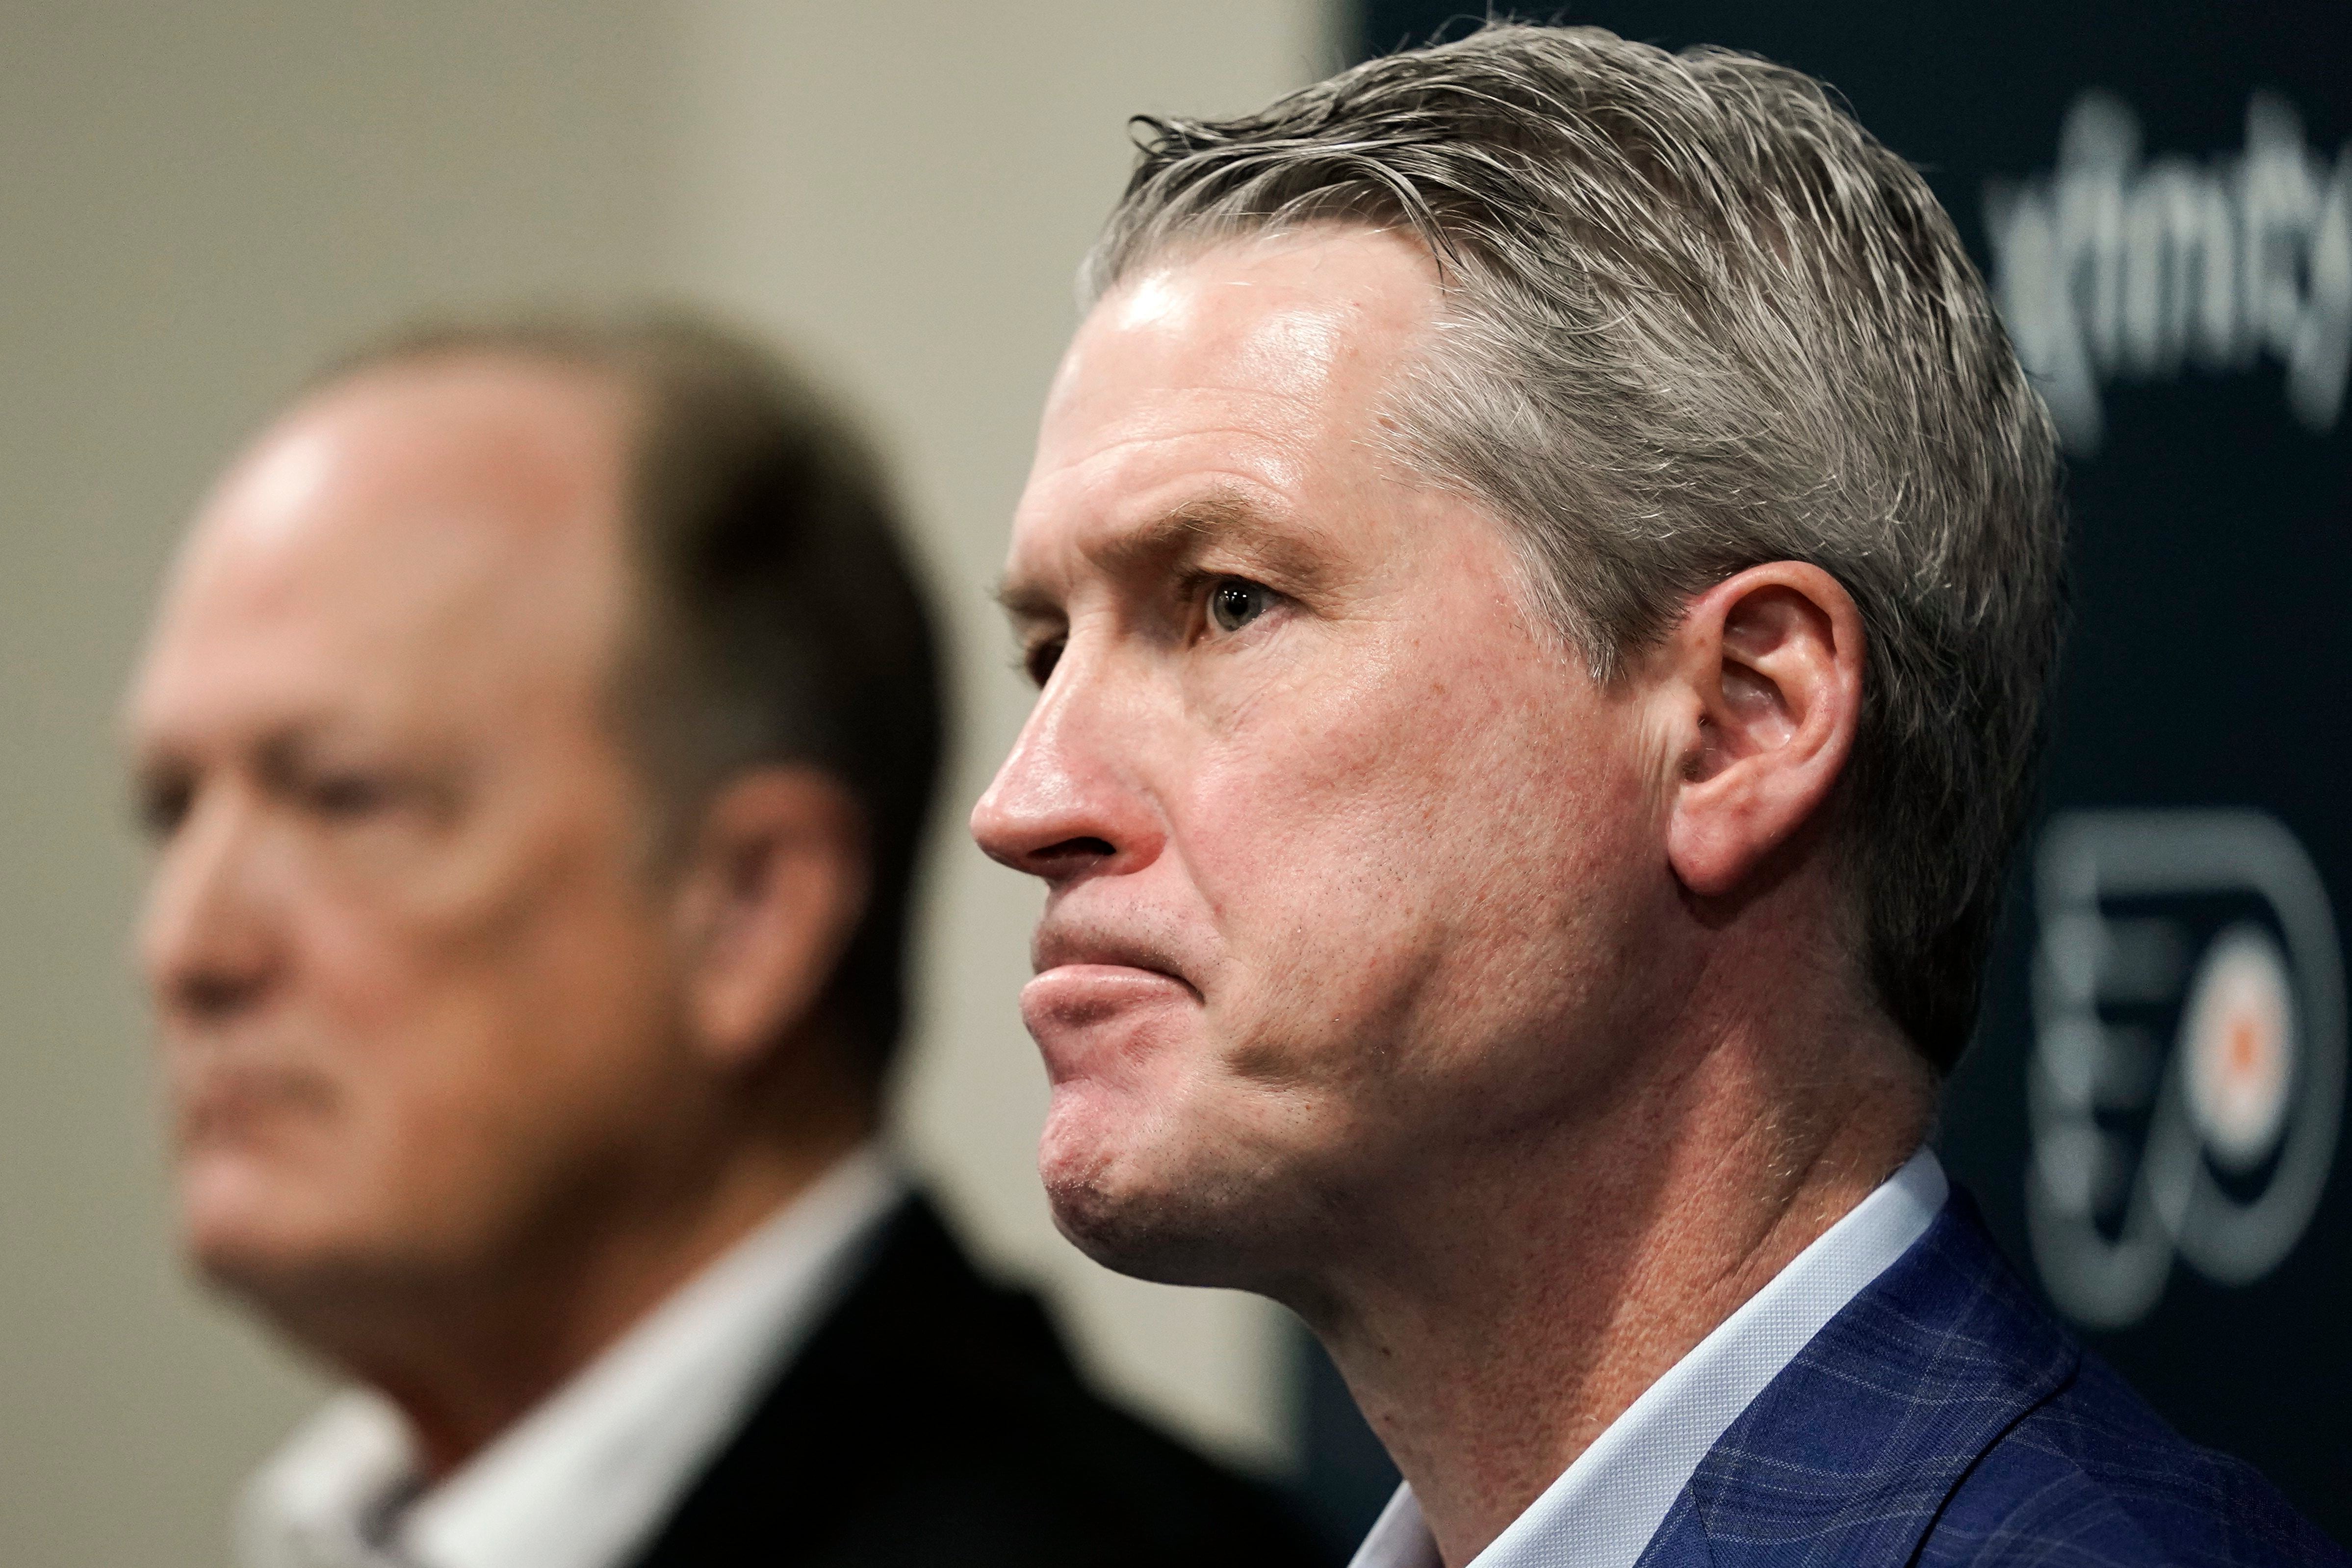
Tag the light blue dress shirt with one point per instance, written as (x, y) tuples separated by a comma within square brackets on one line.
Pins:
[(1605, 1507)]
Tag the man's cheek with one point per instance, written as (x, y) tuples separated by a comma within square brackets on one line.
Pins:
[(1325, 992), (367, 977)]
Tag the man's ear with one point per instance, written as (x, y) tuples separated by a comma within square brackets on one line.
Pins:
[(1764, 673), (771, 889)]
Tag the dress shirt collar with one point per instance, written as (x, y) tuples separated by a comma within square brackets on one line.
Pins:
[(581, 1480), (1606, 1505)]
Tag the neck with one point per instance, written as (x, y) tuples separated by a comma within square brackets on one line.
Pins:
[(464, 1360), (1535, 1292)]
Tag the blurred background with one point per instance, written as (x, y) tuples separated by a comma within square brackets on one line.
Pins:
[(201, 202)]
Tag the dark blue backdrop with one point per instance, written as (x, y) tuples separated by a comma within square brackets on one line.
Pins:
[(2162, 194)]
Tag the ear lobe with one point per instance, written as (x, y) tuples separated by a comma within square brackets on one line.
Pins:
[(771, 892), (1765, 674)]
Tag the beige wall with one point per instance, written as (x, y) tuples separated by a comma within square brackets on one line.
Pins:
[(200, 199), (907, 194)]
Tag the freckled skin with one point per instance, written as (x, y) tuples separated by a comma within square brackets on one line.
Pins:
[(1353, 827)]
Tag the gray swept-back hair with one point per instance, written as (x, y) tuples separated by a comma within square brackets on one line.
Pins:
[(1697, 318)]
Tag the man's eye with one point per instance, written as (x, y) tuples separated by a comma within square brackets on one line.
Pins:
[(1235, 602), (348, 794), (164, 806), (1039, 659)]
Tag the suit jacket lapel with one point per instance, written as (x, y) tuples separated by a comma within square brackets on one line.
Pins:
[(918, 1321), (1849, 1455)]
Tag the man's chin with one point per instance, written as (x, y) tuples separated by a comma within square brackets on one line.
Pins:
[(1125, 1199), (260, 1259), (249, 1233)]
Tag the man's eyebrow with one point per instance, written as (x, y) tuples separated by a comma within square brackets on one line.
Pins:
[(1026, 602), (1219, 516)]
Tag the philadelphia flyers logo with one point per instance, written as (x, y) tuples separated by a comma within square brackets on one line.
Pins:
[(2187, 1082)]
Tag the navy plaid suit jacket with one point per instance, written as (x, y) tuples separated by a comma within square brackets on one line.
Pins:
[(1944, 1418)]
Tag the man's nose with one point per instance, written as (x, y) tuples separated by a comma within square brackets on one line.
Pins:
[(206, 944), (1068, 801)]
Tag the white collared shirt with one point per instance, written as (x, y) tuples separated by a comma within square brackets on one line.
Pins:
[(1605, 1507), (584, 1478)]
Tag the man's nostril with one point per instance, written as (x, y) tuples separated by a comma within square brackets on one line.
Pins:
[(214, 997), (1076, 848)]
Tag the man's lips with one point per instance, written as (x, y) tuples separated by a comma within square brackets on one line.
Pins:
[(218, 1098), (1069, 946), (1104, 990), (1091, 1009), (1074, 995)]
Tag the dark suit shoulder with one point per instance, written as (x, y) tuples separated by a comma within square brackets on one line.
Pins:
[(2093, 1475), (935, 1418), (1944, 1417)]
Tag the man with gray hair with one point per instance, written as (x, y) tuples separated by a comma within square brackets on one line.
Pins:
[(1541, 568)]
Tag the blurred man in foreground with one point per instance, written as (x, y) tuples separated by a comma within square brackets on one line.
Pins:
[(536, 739), (1541, 568)]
